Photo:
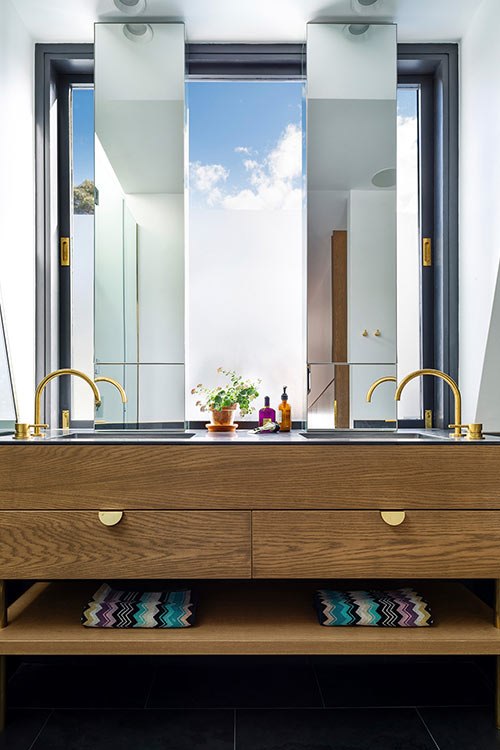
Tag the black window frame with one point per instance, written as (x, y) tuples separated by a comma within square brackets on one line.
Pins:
[(433, 66)]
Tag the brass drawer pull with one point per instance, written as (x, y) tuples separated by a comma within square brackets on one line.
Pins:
[(393, 517), (110, 517)]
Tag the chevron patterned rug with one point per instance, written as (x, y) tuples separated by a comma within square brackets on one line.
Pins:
[(110, 608), (397, 608)]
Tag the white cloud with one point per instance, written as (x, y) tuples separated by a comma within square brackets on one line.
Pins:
[(407, 189), (273, 182), (205, 177)]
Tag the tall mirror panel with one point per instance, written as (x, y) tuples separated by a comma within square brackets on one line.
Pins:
[(139, 217), (351, 221)]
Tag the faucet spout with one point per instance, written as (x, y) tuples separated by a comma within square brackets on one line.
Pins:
[(376, 383), (103, 379), (51, 376), (451, 383)]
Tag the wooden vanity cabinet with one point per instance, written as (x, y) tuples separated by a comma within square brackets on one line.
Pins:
[(254, 512)]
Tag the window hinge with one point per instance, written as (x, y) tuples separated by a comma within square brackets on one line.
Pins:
[(65, 419), (428, 419), (427, 251), (64, 251)]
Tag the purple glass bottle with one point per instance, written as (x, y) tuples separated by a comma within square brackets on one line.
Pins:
[(267, 413)]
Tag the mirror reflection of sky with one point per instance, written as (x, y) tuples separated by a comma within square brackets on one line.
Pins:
[(83, 135), (245, 143)]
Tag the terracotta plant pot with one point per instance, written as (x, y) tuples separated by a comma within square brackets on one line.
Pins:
[(223, 420)]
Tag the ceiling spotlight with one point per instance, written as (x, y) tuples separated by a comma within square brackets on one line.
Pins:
[(368, 6), (385, 178), (138, 32), (131, 7), (356, 29)]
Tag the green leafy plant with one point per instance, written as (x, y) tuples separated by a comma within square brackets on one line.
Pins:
[(237, 392)]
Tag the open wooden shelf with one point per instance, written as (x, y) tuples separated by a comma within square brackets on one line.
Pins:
[(247, 617)]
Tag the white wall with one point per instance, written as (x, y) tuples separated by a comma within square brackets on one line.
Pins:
[(17, 253), (480, 217)]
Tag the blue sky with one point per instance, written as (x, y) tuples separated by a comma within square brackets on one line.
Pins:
[(407, 102), (236, 127), (83, 135)]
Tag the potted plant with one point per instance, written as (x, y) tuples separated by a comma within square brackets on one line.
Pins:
[(222, 402)]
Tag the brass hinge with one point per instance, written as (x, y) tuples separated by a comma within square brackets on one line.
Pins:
[(428, 419), (64, 251), (427, 251)]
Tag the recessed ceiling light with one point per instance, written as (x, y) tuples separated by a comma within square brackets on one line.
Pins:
[(367, 7), (385, 178), (138, 32), (131, 7), (356, 29)]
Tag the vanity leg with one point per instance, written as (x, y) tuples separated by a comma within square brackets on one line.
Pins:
[(497, 676), (3, 659), (3, 691)]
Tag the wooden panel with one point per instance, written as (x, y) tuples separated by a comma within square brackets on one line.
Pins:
[(200, 544), (339, 296), (344, 544), (248, 617), (227, 476), (342, 396)]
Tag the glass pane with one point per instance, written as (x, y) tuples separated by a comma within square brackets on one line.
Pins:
[(7, 404), (337, 397), (409, 256), (82, 261), (246, 254), (155, 394)]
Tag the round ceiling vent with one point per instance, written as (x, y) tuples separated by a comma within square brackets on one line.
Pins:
[(356, 29), (131, 7), (138, 32), (385, 178), (368, 7)]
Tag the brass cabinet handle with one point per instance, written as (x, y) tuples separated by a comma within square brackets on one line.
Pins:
[(110, 517), (393, 517)]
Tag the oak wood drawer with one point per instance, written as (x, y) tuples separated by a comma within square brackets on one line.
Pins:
[(144, 544), (313, 477), (343, 544)]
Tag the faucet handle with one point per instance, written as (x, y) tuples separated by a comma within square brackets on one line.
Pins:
[(23, 430), (460, 427), (474, 430)]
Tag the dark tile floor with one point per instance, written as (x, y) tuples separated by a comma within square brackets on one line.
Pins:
[(251, 703)]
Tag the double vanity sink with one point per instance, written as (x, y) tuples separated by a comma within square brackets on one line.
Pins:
[(371, 437)]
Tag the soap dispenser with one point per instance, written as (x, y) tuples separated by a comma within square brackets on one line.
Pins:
[(285, 412), (267, 413)]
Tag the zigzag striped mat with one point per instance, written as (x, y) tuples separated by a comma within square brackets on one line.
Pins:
[(110, 608), (396, 608)]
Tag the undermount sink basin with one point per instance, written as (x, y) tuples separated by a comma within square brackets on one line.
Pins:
[(374, 435), (126, 435)]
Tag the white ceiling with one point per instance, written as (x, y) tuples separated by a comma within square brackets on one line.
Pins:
[(247, 20)]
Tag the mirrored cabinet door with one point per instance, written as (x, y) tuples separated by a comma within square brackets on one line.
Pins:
[(139, 215), (351, 208), (351, 183)]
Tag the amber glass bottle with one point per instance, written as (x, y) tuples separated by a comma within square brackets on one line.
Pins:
[(285, 412)]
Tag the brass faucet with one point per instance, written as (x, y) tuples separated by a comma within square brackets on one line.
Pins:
[(47, 379), (454, 387), (118, 385), (386, 379)]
